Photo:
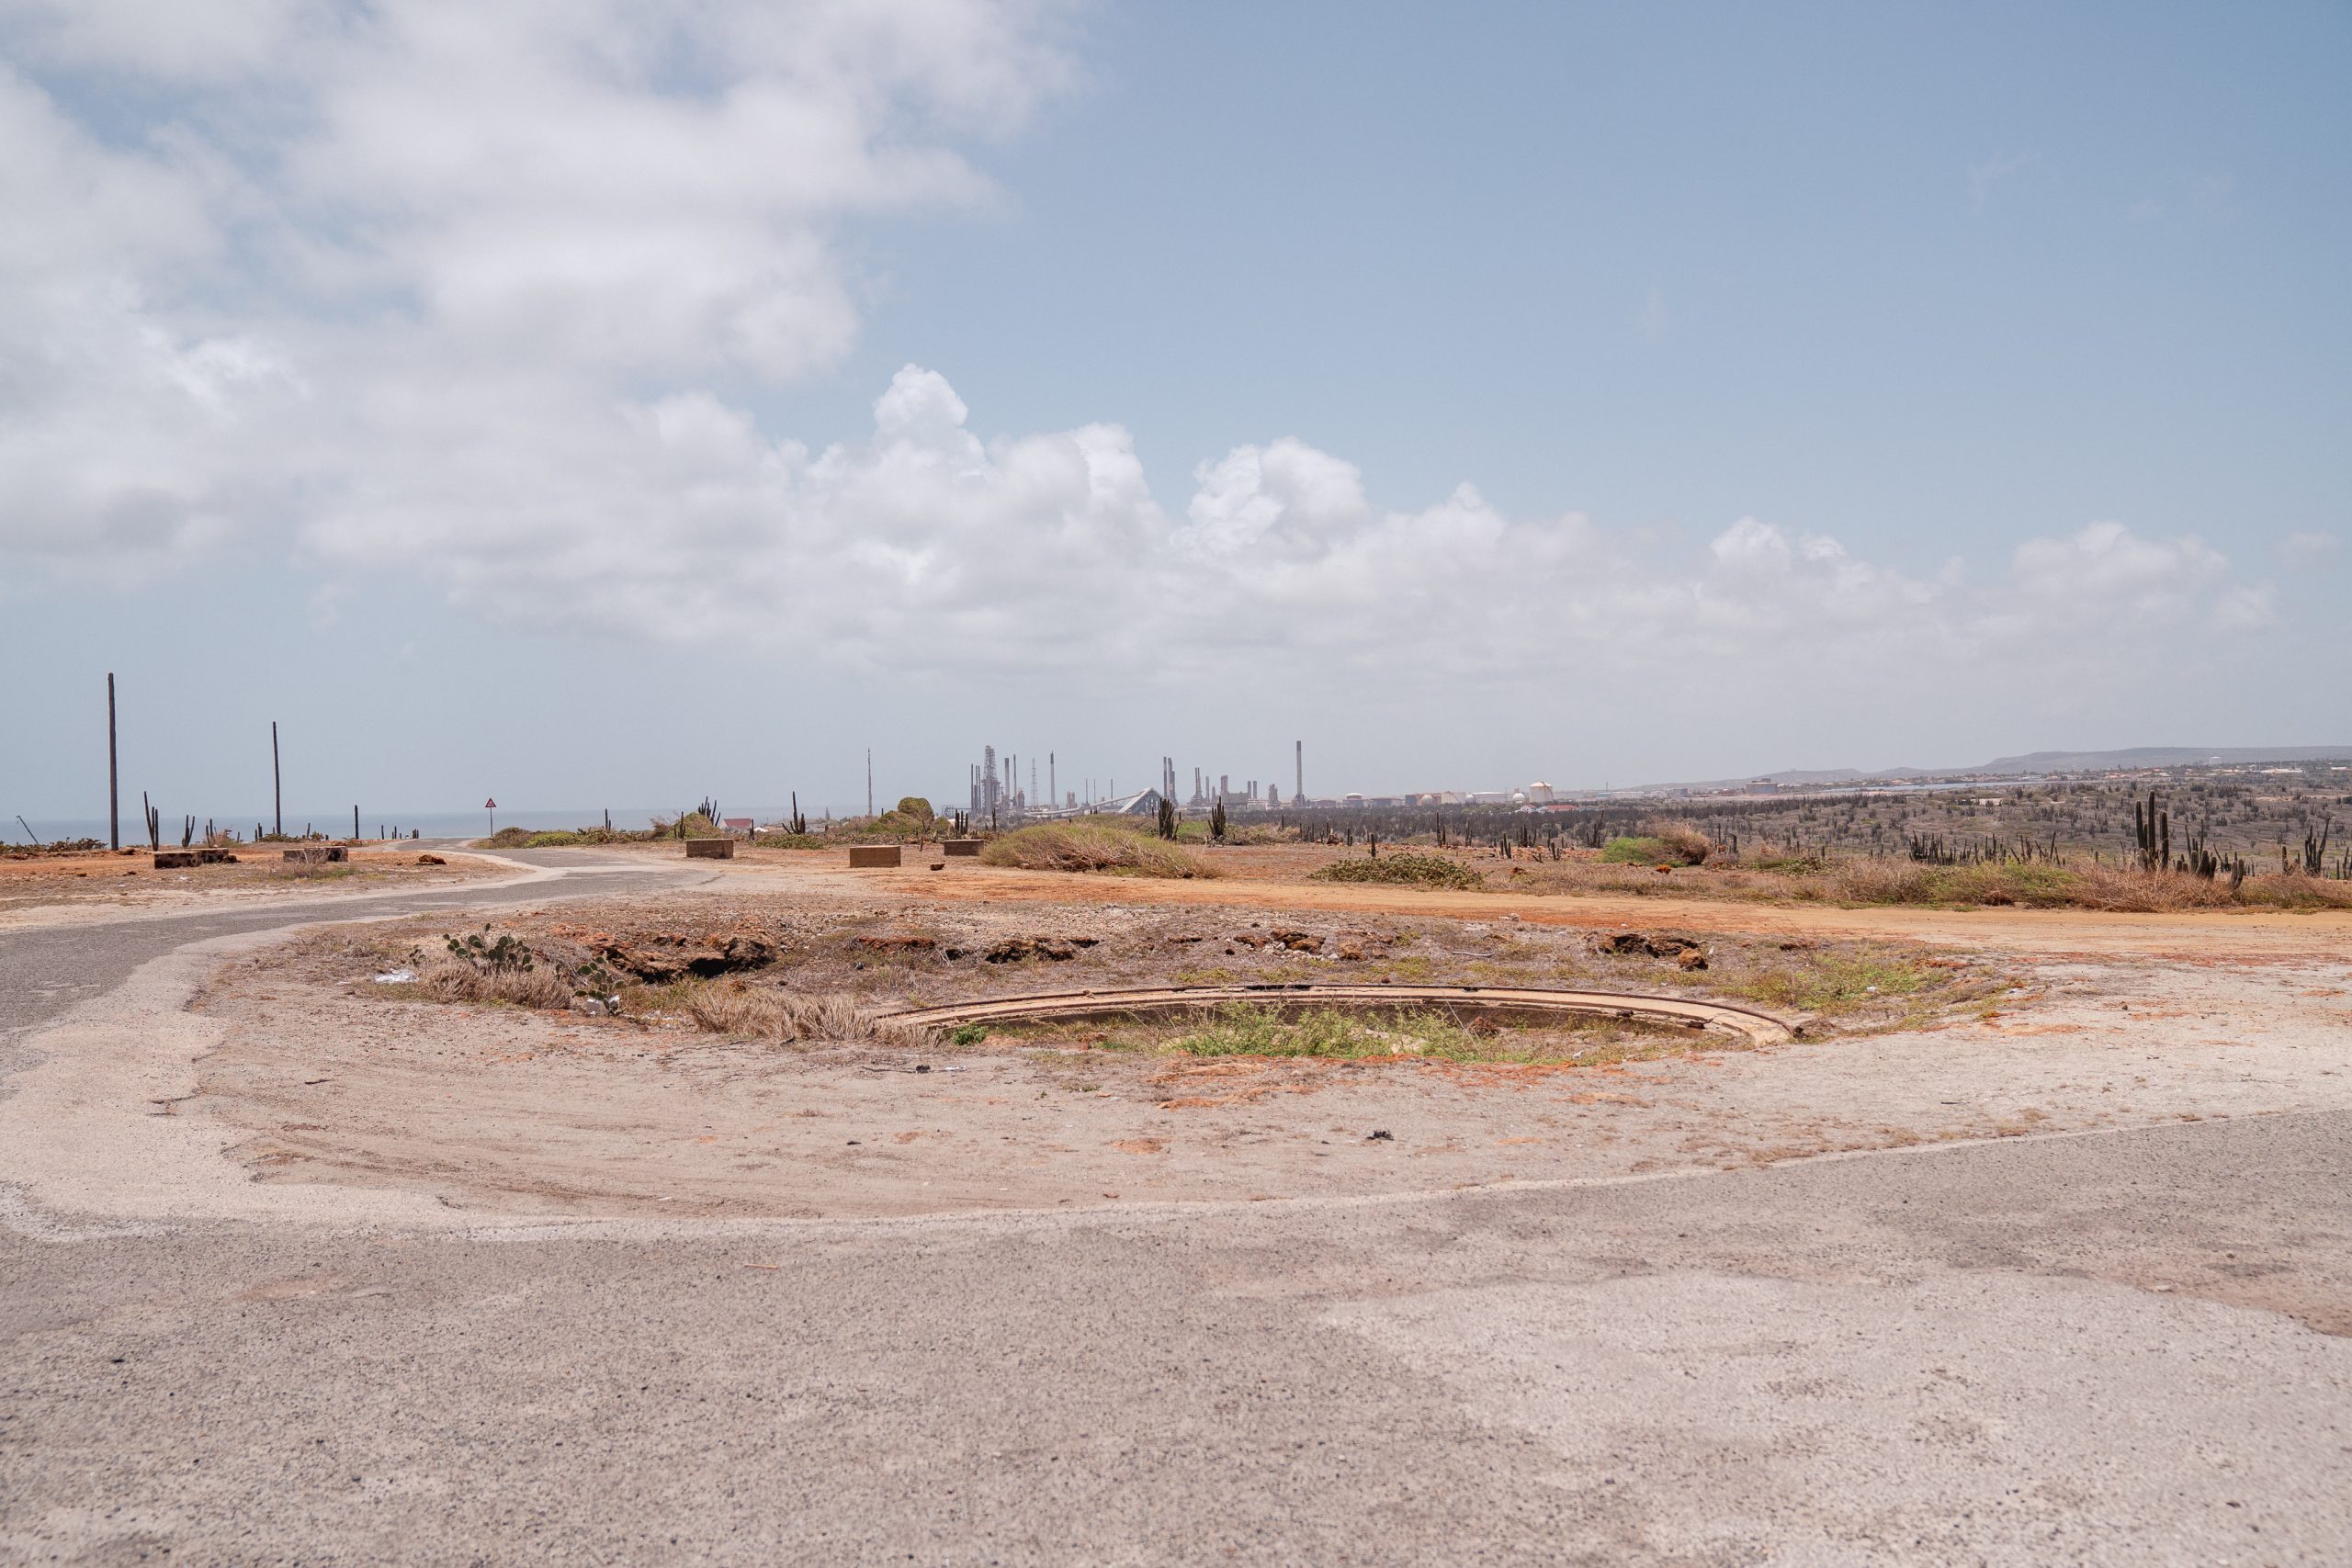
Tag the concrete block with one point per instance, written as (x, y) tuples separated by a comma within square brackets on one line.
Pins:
[(316, 855), (960, 847), (710, 849), (871, 856), (174, 860)]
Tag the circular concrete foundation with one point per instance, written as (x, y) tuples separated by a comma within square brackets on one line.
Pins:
[(1500, 1003)]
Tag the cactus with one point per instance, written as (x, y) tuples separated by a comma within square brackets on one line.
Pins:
[(2152, 831), (2315, 847)]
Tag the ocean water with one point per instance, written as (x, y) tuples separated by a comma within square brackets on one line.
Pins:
[(372, 823)]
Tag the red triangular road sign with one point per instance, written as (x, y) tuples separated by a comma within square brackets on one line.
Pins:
[(489, 805)]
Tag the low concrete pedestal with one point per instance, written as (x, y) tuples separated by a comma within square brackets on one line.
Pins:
[(872, 856), (174, 860), (710, 849)]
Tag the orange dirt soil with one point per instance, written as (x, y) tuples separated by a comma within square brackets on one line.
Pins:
[(1250, 883)]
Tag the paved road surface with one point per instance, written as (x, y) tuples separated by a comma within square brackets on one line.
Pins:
[(46, 970), (2125, 1348)]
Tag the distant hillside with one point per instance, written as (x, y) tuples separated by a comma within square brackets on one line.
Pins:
[(2053, 762), (2158, 757)]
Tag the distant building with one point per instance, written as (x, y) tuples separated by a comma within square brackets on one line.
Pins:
[(738, 825), (1145, 803), (1540, 793)]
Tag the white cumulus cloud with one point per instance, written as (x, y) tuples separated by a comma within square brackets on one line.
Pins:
[(488, 293)]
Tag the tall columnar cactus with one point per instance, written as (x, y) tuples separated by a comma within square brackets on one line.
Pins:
[(2151, 831), (2315, 847)]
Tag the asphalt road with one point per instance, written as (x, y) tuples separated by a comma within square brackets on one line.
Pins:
[(2127, 1349), (45, 970)]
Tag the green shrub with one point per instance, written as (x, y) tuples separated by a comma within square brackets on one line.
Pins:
[(1406, 868), (1668, 843), (1682, 843)]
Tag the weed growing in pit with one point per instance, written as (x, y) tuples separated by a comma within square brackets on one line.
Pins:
[(1247, 1030)]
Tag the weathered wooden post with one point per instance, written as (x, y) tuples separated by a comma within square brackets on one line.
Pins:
[(114, 791), (277, 786)]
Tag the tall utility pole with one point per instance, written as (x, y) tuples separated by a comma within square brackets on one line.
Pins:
[(1053, 785), (277, 786), (1299, 753), (114, 786), (869, 781)]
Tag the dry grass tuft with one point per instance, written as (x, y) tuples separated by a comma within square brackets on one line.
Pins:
[(792, 1018), (1082, 846), (454, 980)]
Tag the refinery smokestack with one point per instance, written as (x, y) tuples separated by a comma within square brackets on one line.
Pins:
[(1298, 754)]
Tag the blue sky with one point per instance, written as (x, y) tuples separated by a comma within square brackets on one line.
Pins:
[(729, 390)]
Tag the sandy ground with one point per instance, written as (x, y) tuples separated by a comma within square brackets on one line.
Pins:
[(2108, 1021), (100, 885)]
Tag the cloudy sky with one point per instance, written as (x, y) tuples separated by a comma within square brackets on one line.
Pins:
[(595, 402)]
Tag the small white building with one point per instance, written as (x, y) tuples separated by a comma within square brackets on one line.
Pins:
[(1540, 793)]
